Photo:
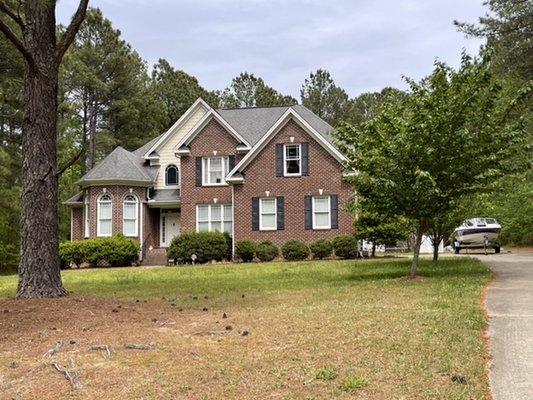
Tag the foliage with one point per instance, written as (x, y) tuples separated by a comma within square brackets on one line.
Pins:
[(380, 228), (345, 246), (115, 251), (448, 138), (326, 374), (294, 250), (352, 383), (206, 246), (245, 250), (321, 248), (247, 90), (266, 251)]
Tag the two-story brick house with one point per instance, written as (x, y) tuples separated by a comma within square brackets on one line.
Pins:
[(268, 173)]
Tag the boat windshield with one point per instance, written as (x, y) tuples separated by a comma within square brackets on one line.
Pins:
[(468, 222), (480, 222), (490, 221)]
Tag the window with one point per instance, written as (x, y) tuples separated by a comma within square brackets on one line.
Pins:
[(171, 176), (267, 214), (105, 212), (214, 218), (129, 216), (214, 170), (86, 228), (292, 160), (321, 212)]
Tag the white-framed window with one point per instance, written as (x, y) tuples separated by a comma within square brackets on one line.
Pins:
[(130, 215), (104, 211), (214, 218), (214, 170), (267, 214), (321, 212), (86, 217), (171, 175), (292, 160)]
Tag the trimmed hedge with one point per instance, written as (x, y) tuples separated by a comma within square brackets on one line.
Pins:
[(322, 248), (266, 251), (345, 246), (116, 251), (294, 250), (245, 250), (206, 245)]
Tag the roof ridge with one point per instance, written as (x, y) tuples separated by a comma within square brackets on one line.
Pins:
[(134, 162), (253, 107)]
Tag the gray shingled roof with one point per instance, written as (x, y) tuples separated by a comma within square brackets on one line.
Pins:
[(75, 200), (166, 196), (253, 123), (121, 165)]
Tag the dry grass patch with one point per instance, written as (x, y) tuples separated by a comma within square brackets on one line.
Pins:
[(366, 333)]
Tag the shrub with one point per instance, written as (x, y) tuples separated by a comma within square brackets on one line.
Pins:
[(266, 251), (345, 246), (326, 374), (206, 245), (322, 248), (116, 251), (295, 250), (229, 246), (352, 383), (245, 250)]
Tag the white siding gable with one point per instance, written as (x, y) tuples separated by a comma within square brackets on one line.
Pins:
[(166, 149)]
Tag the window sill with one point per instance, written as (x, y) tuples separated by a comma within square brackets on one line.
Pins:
[(292, 176), (268, 229), (321, 228), (214, 184)]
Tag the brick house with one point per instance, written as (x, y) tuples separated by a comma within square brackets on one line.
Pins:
[(269, 173)]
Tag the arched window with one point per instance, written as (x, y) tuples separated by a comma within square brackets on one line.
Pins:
[(171, 176), (105, 215), (130, 215)]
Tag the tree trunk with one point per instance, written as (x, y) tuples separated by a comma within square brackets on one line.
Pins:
[(39, 271), (436, 242), (373, 249), (416, 253)]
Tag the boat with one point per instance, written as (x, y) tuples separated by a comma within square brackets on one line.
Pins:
[(477, 232)]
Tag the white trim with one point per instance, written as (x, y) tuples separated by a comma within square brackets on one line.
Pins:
[(285, 173), (98, 233), (289, 114), (178, 177), (136, 233), (141, 238), (86, 217), (317, 227), (275, 227), (203, 122), (232, 223), (209, 217), (108, 182), (182, 119), (206, 162)]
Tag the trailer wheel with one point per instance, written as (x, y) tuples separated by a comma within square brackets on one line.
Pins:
[(497, 249)]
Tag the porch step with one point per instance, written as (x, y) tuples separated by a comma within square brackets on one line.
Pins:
[(155, 257)]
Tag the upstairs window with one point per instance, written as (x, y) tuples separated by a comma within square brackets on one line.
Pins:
[(130, 216), (171, 176), (292, 160), (214, 170), (105, 215)]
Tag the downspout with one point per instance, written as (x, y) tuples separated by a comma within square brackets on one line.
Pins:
[(233, 223), (141, 237)]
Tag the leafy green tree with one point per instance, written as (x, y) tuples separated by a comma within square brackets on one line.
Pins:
[(380, 229), (321, 95), (448, 138), (177, 90), (247, 90), (366, 105)]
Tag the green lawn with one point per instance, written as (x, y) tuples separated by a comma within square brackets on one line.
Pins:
[(321, 329)]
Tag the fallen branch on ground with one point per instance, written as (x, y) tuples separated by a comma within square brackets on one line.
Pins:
[(54, 349), (134, 346), (102, 347), (70, 375)]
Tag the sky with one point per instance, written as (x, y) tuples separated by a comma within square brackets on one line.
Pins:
[(365, 45)]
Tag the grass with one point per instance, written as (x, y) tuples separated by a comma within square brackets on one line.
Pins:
[(321, 329)]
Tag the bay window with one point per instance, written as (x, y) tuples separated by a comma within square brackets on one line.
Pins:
[(104, 215), (130, 216)]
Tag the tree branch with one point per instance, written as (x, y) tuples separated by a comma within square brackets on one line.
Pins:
[(71, 31), (10, 35), (71, 161), (9, 12)]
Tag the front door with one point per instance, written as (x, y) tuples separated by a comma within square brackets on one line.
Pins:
[(170, 227)]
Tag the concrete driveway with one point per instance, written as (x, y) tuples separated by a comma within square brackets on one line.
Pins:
[(510, 309)]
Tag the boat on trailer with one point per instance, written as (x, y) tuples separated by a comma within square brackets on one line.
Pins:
[(476, 233)]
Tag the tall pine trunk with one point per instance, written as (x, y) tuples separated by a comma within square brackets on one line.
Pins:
[(39, 270)]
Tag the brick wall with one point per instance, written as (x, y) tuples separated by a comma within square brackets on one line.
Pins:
[(324, 173), (211, 138), (77, 223)]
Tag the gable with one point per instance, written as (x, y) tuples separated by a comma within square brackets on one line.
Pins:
[(212, 137)]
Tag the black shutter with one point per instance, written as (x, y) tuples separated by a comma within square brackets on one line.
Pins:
[(279, 159), (334, 201), (231, 162), (255, 213), (308, 212), (305, 159), (280, 211), (198, 171)]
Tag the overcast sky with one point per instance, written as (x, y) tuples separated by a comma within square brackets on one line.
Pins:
[(365, 44)]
